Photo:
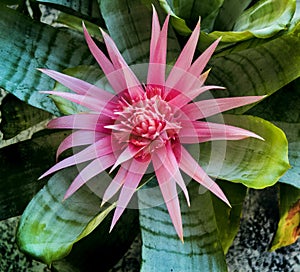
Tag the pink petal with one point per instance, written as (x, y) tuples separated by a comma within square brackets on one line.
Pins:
[(113, 51), (184, 98), (183, 83), (86, 121), (167, 158), (78, 86), (108, 68), (96, 150), (92, 103), (94, 168), (158, 54), (199, 64), (155, 33), (78, 138), (185, 58), (125, 73), (168, 189), (193, 169), (129, 152), (133, 85), (134, 175), (206, 108), (116, 183), (198, 132)]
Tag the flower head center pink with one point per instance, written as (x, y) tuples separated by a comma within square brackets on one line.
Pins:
[(148, 122)]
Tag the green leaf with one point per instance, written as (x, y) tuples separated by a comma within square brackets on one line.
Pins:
[(252, 162), (296, 17), (191, 10), (292, 175), (229, 12), (262, 20), (260, 70), (21, 165), (134, 17), (75, 23), (100, 248), (18, 116), (283, 109), (50, 226), (266, 17), (228, 219), (288, 227), (30, 45), (87, 8), (178, 23), (161, 246)]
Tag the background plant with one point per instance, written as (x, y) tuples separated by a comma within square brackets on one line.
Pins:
[(258, 55)]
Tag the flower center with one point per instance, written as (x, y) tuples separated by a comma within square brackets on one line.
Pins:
[(147, 123)]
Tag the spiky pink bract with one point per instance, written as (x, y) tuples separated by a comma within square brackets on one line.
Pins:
[(146, 124)]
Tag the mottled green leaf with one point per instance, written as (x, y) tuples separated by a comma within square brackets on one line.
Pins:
[(87, 8), (50, 226), (252, 162), (161, 246), (228, 219), (129, 24), (29, 45), (288, 229), (21, 165), (260, 70), (17, 116)]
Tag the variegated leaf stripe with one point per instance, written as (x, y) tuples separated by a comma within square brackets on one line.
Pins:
[(27, 45), (163, 251)]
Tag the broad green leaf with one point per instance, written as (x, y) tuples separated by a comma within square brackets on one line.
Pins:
[(17, 116), (229, 12), (266, 17), (50, 226), (178, 23), (296, 17), (87, 8), (134, 17), (191, 10), (228, 219), (27, 45), (283, 109), (260, 70), (262, 20), (288, 227), (100, 249), (161, 247), (252, 162), (75, 23), (21, 165)]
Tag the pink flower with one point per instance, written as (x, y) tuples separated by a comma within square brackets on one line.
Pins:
[(143, 124)]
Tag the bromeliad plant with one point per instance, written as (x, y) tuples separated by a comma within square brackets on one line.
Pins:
[(147, 124)]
